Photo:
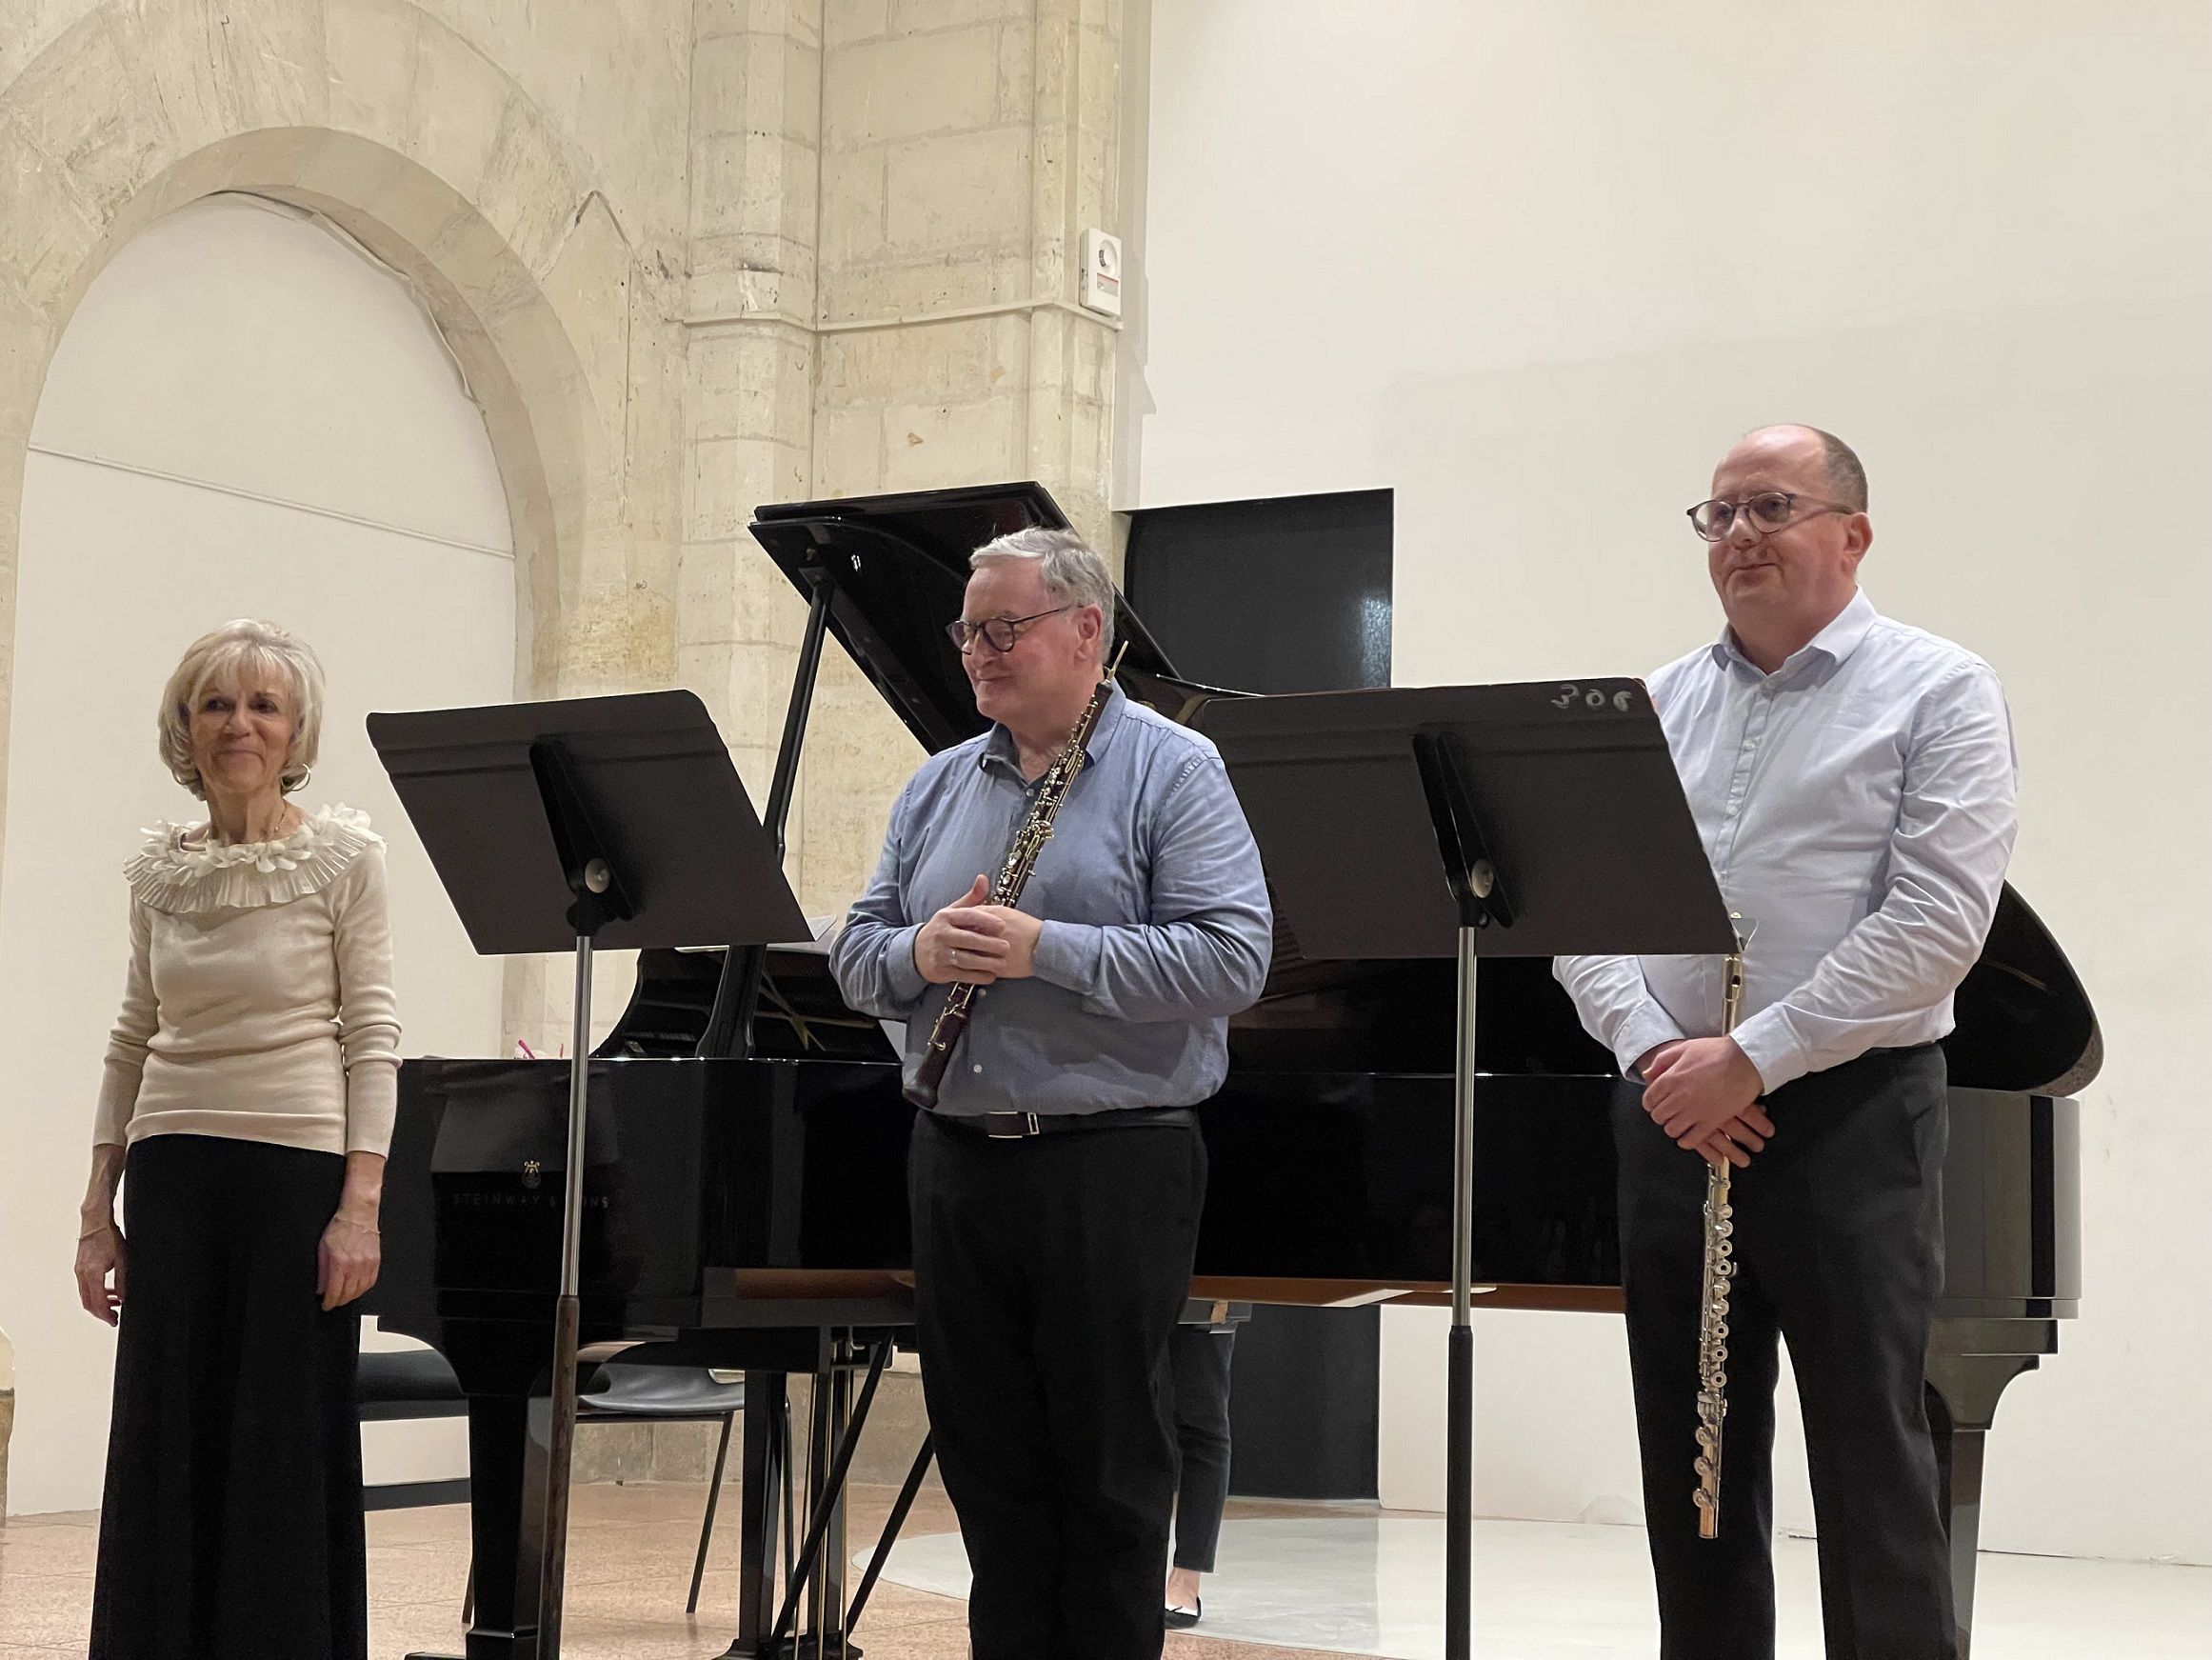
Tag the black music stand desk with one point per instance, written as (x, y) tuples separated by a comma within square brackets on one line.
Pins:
[(614, 821), (1490, 821)]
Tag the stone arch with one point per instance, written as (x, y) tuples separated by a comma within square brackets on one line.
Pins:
[(386, 122)]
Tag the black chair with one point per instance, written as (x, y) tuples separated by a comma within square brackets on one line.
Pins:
[(418, 1384)]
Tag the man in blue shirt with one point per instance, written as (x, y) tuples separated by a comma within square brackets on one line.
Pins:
[(1057, 1186), (1853, 780)]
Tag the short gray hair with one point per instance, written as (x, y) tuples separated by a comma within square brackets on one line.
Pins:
[(1071, 572), (227, 657)]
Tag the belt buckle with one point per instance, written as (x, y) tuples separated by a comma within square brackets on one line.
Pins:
[(1028, 1130)]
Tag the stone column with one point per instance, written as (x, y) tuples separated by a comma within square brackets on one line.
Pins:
[(756, 82), (966, 146)]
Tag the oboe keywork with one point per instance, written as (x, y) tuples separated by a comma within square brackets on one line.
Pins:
[(1013, 876), (1713, 1304)]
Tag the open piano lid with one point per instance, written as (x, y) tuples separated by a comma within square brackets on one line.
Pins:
[(2024, 1021), (898, 565)]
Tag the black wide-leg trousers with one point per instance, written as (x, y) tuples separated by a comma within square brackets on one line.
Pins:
[(1839, 1252), (1049, 1272), (231, 1525)]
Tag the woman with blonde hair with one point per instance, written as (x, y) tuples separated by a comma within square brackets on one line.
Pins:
[(249, 1090)]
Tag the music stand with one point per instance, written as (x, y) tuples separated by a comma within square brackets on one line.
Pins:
[(1486, 821), (554, 826)]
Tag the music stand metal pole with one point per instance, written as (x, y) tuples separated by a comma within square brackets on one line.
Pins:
[(1459, 1590), (1442, 762), (568, 1315), (600, 898)]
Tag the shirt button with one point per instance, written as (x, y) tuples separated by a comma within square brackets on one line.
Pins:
[(978, 1067)]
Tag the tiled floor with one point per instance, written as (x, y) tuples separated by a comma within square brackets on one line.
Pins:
[(630, 1566), (1352, 1582), (1340, 1578)]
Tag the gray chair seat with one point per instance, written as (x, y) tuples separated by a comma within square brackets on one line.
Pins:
[(620, 1390)]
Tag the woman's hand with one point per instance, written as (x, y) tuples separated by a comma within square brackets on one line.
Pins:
[(348, 1260), (100, 1271)]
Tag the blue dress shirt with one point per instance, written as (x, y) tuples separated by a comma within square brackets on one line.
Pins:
[(1157, 924), (1857, 805)]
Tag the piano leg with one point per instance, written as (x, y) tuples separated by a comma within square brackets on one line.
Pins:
[(1962, 1399), (507, 1430), (767, 1447)]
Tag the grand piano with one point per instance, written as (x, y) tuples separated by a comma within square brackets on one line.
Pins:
[(745, 1199)]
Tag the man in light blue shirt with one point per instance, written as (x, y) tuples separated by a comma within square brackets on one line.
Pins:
[(1853, 780), (1057, 1187)]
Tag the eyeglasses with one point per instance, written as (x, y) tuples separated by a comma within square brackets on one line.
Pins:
[(1769, 510), (998, 633)]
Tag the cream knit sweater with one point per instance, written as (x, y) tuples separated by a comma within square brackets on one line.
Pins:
[(259, 1001)]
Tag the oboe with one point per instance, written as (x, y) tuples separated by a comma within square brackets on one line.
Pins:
[(1013, 876), (1713, 1305)]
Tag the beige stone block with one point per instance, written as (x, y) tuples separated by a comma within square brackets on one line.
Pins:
[(530, 193), (928, 445), (924, 288), (750, 182), (731, 593), (942, 362), (748, 686), (752, 272), (960, 194), (685, 1453), (48, 238), (74, 105), (859, 755), (613, 1452), (1017, 91), (849, 452), (188, 67), (908, 87), (751, 383), (770, 609), (846, 21), (852, 205), (914, 16), (706, 598), (457, 109), (278, 60), (800, 19), (372, 47), (731, 476), (768, 83)]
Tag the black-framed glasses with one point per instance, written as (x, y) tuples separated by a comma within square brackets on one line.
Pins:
[(998, 633), (1769, 510)]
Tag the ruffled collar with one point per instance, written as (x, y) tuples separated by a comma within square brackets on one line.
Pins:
[(181, 869)]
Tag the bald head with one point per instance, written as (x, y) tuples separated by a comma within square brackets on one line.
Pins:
[(1784, 570), (1839, 464)]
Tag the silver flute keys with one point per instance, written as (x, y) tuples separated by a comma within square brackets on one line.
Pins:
[(1720, 1269)]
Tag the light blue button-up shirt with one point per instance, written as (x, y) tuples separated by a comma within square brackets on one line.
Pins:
[(1157, 925), (1857, 805)]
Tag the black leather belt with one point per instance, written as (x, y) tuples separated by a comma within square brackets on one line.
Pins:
[(1021, 1126)]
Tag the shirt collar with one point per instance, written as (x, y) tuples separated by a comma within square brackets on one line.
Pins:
[(1835, 642), (999, 745)]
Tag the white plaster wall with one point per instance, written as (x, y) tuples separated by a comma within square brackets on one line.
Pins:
[(245, 418), (1534, 267)]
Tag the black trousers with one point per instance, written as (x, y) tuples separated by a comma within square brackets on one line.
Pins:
[(231, 1525), (1838, 1251), (1047, 1275), (1197, 1359)]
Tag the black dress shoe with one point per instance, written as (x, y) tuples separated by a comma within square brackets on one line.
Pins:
[(1183, 1619)]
